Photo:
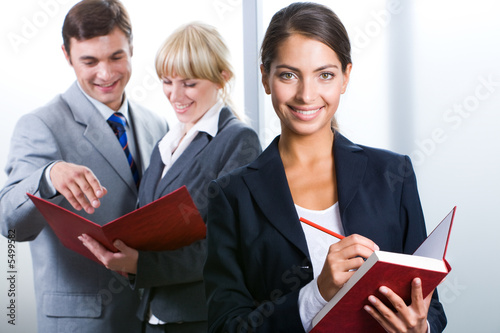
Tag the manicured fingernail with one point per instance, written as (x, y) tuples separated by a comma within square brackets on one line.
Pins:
[(418, 281), (372, 299), (367, 308), (383, 290), (377, 248), (98, 193), (80, 238), (95, 203)]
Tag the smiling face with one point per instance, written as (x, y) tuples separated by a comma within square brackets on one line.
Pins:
[(305, 82), (190, 98), (102, 66)]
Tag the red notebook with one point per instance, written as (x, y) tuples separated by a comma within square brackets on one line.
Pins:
[(168, 223), (345, 313)]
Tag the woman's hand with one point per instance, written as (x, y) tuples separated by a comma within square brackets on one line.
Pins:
[(411, 318), (343, 258), (123, 261)]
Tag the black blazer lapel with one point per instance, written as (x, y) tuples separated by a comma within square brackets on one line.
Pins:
[(269, 188), (350, 166)]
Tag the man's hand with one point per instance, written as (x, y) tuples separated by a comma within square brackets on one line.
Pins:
[(78, 185)]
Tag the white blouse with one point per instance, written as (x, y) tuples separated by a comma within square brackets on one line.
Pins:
[(318, 243)]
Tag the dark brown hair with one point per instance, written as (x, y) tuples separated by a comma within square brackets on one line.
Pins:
[(310, 20), (92, 18)]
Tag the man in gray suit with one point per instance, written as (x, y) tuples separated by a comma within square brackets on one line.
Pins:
[(68, 153)]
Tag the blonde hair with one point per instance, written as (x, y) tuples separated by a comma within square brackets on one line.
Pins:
[(197, 51)]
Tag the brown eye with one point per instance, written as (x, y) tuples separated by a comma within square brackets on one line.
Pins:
[(287, 75), (327, 76)]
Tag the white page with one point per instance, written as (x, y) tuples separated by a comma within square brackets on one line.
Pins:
[(435, 244)]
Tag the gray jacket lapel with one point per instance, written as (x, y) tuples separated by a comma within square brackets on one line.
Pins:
[(98, 133), (143, 135), (151, 178), (186, 159)]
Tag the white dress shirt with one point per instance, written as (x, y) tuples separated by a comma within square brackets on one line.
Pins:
[(318, 242)]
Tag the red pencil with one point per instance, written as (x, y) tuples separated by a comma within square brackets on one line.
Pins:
[(317, 226)]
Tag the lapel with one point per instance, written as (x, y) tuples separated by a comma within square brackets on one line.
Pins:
[(195, 147), (98, 133), (143, 136), (350, 166), (150, 179), (186, 159), (269, 187)]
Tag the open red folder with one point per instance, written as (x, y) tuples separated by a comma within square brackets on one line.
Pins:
[(168, 223), (345, 313)]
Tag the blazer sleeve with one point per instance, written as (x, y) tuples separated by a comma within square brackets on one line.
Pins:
[(33, 148), (231, 306), (154, 269), (411, 211)]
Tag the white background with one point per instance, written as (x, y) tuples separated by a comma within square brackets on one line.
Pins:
[(418, 86)]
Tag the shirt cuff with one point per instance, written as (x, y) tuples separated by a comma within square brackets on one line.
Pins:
[(310, 303), (47, 189)]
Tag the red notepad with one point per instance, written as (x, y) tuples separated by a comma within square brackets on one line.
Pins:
[(345, 313), (168, 223)]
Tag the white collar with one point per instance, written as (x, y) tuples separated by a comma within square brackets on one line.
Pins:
[(209, 123), (169, 146), (106, 111)]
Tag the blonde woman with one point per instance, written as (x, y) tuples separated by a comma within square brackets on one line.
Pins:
[(208, 142)]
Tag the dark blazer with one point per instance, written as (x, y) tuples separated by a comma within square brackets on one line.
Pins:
[(173, 279), (72, 292), (257, 253)]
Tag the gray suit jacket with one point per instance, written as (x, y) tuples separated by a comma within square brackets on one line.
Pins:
[(73, 293), (173, 279)]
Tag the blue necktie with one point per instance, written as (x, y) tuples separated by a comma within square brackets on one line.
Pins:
[(117, 122)]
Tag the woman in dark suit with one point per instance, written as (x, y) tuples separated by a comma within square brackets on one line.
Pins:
[(267, 272), (208, 142)]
